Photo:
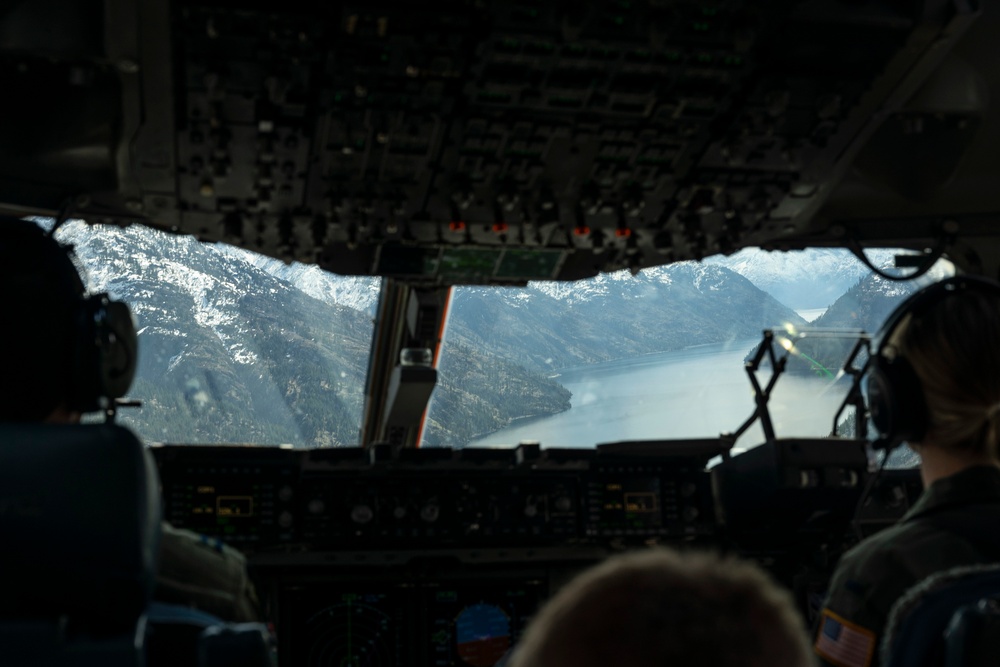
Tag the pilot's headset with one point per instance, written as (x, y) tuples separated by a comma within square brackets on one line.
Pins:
[(103, 339), (895, 395)]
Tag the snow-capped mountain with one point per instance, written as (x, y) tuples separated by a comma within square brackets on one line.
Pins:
[(548, 326), (865, 306), (803, 279), (242, 348), (357, 292), (228, 352)]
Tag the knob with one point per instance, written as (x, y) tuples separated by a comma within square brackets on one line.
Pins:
[(895, 496), (285, 493), (285, 519), (399, 512), (316, 506), (688, 489), (362, 514), (690, 513), (430, 513), (564, 504), (530, 510)]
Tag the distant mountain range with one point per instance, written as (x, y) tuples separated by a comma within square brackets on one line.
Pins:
[(803, 279), (236, 347), (865, 306), (553, 326)]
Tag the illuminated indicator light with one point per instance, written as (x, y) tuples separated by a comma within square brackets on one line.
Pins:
[(234, 506), (700, 26), (456, 226), (623, 232), (581, 231), (704, 58), (619, 20), (709, 11), (500, 227)]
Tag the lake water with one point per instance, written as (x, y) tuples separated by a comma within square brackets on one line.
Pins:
[(693, 393)]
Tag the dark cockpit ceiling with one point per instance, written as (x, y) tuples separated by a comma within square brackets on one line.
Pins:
[(498, 142)]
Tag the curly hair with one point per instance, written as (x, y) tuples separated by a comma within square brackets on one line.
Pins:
[(662, 608)]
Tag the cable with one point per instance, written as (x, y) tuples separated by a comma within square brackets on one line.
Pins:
[(932, 258), (865, 494)]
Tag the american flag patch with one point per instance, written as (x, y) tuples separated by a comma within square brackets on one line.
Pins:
[(843, 643)]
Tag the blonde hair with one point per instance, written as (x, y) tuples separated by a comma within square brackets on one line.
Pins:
[(954, 349), (661, 608)]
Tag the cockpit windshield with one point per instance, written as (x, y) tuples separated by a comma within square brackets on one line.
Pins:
[(660, 354), (234, 347), (241, 348)]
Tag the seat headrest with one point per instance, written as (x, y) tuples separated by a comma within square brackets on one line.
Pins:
[(80, 515)]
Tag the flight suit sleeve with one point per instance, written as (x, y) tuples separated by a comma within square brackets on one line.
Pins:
[(866, 584), (202, 572)]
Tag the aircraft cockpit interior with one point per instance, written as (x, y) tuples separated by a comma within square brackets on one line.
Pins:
[(438, 304)]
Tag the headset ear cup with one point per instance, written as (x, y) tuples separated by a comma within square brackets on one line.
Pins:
[(896, 401), (119, 348), (85, 391), (105, 355), (878, 393)]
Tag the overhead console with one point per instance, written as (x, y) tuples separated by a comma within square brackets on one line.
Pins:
[(457, 142)]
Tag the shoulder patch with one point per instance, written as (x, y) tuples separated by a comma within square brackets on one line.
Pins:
[(843, 643)]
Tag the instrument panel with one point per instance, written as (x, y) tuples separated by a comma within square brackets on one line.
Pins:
[(269, 499), (440, 557), (435, 624)]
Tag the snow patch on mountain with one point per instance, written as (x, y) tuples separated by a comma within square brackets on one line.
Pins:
[(357, 292), (803, 279), (625, 284)]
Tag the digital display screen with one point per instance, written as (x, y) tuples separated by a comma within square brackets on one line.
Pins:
[(626, 505), (452, 624), (234, 506), (235, 511), (346, 628), (477, 627), (210, 501)]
